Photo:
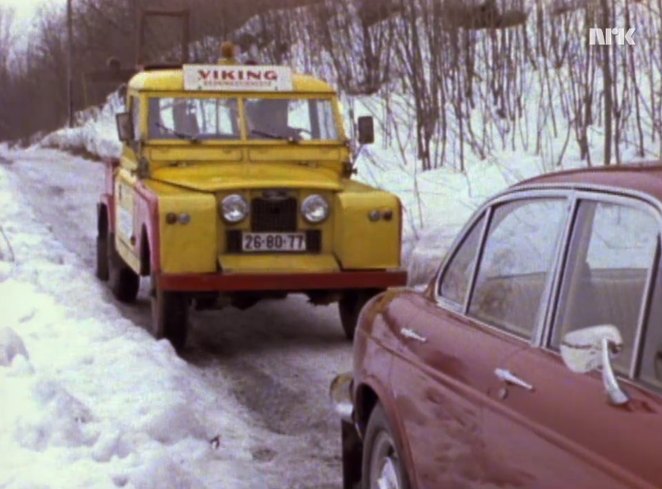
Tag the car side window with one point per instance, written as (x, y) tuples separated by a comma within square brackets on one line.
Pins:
[(610, 254), (457, 275), (650, 366), (516, 262)]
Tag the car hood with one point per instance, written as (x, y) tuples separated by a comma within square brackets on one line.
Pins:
[(229, 176)]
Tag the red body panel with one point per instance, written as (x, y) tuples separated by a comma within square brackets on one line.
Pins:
[(281, 281), (146, 217), (581, 440), (146, 214), (458, 427), (107, 198)]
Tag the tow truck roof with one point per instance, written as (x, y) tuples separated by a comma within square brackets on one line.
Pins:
[(172, 80)]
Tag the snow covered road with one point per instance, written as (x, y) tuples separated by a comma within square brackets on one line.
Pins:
[(255, 381)]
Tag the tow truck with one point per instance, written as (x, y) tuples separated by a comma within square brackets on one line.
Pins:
[(234, 185)]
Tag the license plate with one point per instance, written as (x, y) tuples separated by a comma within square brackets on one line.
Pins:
[(291, 242)]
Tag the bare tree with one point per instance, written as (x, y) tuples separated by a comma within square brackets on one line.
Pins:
[(6, 36)]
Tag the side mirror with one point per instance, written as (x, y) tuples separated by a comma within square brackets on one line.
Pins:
[(588, 349), (124, 127), (366, 130)]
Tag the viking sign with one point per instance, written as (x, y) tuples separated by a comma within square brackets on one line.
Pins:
[(215, 78)]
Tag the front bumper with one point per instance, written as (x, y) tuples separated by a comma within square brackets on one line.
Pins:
[(340, 393), (294, 282)]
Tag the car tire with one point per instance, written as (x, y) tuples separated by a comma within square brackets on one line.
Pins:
[(123, 282), (101, 270), (169, 316), (382, 463), (349, 306)]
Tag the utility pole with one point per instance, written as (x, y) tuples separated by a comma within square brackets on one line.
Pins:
[(70, 61)]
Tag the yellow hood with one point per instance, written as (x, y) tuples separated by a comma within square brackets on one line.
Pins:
[(236, 176)]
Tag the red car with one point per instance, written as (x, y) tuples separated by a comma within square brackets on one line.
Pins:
[(534, 357)]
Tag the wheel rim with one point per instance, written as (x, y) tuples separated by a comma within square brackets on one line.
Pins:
[(384, 464)]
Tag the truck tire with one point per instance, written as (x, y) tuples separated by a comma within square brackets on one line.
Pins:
[(123, 281), (349, 306), (101, 270), (169, 316)]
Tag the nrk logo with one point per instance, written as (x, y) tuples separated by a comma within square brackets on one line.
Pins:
[(611, 36)]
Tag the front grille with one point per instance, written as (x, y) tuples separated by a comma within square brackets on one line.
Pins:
[(313, 241), (274, 215)]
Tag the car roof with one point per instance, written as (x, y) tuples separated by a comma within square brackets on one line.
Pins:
[(172, 80), (643, 178)]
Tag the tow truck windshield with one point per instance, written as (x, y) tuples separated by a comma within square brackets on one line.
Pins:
[(196, 119), (290, 119), (193, 119)]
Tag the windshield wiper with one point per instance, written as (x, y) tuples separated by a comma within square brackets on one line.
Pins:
[(271, 135), (181, 135)]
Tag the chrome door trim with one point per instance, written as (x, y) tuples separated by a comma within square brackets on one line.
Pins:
[(487, 209), (560, 261), (558, 266), (644, 310), (602, 190), (479, 256), (649, 206), (574, 193), (504, 197)]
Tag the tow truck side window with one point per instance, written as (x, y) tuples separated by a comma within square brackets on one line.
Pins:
[(134, 107)]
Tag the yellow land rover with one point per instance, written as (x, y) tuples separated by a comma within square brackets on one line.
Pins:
[(233, 186)]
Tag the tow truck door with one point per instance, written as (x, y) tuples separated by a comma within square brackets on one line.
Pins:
[(124, 192)]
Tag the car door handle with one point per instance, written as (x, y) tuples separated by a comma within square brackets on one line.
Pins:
[(510, 378), (413, 335)]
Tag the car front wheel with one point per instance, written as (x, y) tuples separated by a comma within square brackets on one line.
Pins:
[(382, 462)]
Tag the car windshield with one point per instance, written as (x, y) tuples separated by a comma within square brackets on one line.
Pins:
[(292, 119), (193, 118)]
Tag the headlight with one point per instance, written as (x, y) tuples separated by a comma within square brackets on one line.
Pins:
[(234, 208), (315, 208)]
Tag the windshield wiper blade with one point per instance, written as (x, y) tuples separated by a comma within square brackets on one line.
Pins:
[(271, 135), (181, 135)]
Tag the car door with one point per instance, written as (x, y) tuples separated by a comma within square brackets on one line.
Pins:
[(563, 432), (442, 376)]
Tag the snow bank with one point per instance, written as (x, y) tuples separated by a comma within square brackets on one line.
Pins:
[(95, 132), (89, 400)]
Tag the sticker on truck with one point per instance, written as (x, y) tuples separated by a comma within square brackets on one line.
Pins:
[(237, 78), (125, 223)]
